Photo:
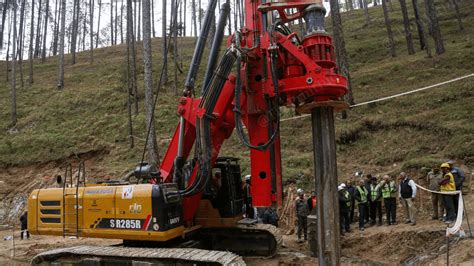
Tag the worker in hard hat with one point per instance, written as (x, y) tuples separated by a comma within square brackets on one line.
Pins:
[(302, 212), (458, 175), (361, 196), (447, 184), (249, 210), (407, 193), (344, 208)]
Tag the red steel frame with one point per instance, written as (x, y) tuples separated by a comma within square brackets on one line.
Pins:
[(309, 76)]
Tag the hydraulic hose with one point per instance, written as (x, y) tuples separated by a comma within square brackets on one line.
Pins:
[(203, 125), (199, 50), (216, 43), (237, 109)]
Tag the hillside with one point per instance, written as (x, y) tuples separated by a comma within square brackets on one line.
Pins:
[(89, 118), (88, 121)]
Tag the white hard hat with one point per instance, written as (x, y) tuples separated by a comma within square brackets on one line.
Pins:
[(299, 191), (247, 177), (343, 185), (339, 187)]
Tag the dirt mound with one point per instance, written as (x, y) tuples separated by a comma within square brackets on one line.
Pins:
[(392, 247)]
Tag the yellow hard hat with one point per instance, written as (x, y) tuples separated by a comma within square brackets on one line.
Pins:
[(445, 165)]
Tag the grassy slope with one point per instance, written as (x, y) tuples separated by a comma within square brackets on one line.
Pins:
[(421, 129)]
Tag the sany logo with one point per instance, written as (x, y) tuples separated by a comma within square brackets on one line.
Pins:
[(174, 220), (135, 208)]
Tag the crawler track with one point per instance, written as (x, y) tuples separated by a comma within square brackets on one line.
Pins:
[(93, 255)]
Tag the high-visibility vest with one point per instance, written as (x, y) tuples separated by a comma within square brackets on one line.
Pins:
[(374, 192), (450, 186), (363, 194), (347, 196), (388, 189)]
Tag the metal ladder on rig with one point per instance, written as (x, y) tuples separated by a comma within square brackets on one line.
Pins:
[(71, 204)]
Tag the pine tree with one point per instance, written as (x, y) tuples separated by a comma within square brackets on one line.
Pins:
[(434, 26), (13, 79), (163, 39), (46, 15), (98, 26), (419, 25), (61, 46), (391, 42), (340, 45), (406, 25), (30, 52), (91, 30), (152, 146)]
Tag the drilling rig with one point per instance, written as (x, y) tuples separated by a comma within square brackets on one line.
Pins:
[(191, 211)]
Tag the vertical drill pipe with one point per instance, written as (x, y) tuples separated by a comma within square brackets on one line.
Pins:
[(216, 43), (200, 44), (325, 172)]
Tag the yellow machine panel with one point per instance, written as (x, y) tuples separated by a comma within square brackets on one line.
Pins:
[(130, 212)]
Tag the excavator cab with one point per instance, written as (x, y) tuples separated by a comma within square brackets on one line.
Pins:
[(224, 189)]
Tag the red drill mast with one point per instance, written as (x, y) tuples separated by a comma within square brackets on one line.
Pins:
[(275, 67)]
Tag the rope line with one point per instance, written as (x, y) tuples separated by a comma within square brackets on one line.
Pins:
[(392, 96)]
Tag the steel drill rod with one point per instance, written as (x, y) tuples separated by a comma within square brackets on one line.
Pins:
[(325, 172)]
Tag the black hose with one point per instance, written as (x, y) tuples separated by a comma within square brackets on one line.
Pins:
[(237, 110), (216, 43), (203, 125), (199, 50)]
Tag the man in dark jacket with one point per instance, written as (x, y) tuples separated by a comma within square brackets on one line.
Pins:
[(301, 208), (344, 208), (312, 203), (24, 225), (459, 178), (367, 182), (407, 193), (351, 189)]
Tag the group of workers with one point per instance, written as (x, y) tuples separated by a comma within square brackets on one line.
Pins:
[(371, 193)]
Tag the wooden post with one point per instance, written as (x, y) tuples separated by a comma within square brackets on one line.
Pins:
[(325, 172)]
